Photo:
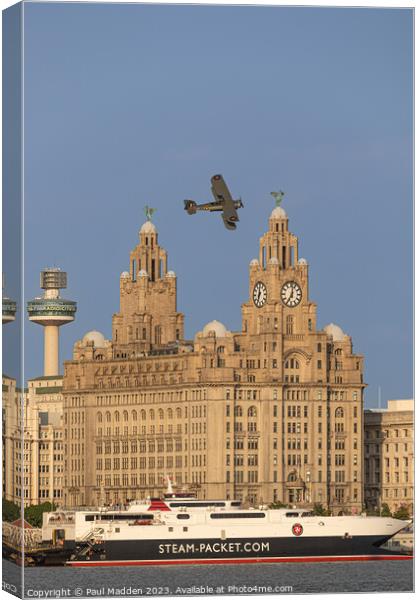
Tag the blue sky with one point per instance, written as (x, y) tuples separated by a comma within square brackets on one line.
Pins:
[(127, 105)]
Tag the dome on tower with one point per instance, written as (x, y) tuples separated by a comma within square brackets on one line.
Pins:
[(148, 227), (216, 326), (254, 262), (302, 261), (125, 275), (278, 213), (96, 337), (142, 273), (335, 331), (170, 274)]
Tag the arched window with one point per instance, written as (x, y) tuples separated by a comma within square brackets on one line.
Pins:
[(252, 411), (178, 413), (170, 413), (99, 417), (143, 415), (338, 352), (221, 349), (292, 363), (292, 476), (160, 413), (116, 416), (238, 411), (134, 415), (125, 415), (339, 413), (151, 414), (108, 417)]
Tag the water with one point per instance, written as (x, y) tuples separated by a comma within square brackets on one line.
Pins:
[(298, 578)]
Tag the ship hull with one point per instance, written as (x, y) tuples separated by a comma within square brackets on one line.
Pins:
[(221, 561), (251, 550)]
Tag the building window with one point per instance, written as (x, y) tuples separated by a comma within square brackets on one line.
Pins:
[(252, 411), (238, 411)]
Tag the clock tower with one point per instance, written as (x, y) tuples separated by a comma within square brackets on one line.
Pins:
[(278, 285)]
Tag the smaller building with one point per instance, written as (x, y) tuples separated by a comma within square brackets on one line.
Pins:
[(389, 451), (32, 419)]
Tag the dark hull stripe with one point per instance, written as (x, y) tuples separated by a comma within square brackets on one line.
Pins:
[(219, 561), (238, 548)]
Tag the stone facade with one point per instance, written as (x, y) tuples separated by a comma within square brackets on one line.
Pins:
[(389, 456), (33, 441), (273, 412)]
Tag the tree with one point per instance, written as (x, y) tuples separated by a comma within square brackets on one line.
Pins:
[(402, 513), (33, 514), (10, 511), (319, 510), (385, 511)]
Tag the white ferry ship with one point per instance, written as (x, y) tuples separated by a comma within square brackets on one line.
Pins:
[(180, 529)]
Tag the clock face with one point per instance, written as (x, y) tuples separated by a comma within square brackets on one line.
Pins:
[(259, 295), (291, 294)]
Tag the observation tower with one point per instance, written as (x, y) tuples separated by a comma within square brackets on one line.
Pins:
[(8, 308), (51, 312)]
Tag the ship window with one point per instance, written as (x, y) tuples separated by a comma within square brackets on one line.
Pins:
[(183, 516), (124, 517), (252, 515), (195, 504), (117, 530), (185, 529), (292, 514), (307, 514), (89, 517), (170, 528)]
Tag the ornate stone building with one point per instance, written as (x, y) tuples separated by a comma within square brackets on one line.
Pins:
[(389, 456), (273, 412)]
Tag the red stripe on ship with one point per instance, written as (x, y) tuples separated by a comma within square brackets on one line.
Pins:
[(158, 505), (219, 561)]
